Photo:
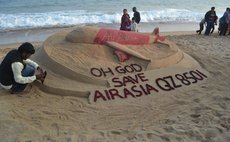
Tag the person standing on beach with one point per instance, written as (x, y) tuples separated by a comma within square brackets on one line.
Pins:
[(210, 18), (136, 15), (125, 21), (228, 20), (223, 23), (17, 70), (226, 26), (202, 23), (134, 26)]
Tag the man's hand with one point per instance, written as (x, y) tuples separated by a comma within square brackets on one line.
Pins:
[(40, 70), (40, 76)]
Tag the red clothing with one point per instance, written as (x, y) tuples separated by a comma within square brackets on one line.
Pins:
[(125, 22), (122, 37)]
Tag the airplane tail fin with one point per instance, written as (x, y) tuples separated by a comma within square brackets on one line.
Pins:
[(156, 31), (157, 34)]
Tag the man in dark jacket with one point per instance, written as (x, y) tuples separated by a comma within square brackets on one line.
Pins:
[(136, 15), (17, 70), (211, 19)]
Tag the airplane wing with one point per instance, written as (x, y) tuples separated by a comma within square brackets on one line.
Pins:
[(125, 49)]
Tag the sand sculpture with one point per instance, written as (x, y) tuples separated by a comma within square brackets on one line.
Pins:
[(84, 60)]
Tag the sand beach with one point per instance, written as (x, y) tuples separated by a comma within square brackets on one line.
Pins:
[(62, 110)]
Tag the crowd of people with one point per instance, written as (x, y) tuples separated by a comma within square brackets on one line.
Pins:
[(210, 20), (17, 70), (130, 25)]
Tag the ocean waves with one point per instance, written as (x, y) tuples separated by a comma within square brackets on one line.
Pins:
[(75, 17)]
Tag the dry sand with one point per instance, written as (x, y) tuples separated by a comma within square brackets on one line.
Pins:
[(198, 113)]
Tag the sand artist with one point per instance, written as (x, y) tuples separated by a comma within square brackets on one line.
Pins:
[(88, 60), (17, 70)]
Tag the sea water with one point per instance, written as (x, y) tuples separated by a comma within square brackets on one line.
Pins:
[(23, 14)]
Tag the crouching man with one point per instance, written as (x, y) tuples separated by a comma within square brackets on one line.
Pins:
[(17, 70)]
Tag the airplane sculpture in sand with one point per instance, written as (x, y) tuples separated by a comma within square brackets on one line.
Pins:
[(115, 39), (85, 59)]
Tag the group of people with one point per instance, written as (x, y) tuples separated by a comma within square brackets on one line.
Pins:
[(17, 70), (210, 20), (130, 25)]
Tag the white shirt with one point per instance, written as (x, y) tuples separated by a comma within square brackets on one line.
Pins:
[(134, 27), (17, 68)]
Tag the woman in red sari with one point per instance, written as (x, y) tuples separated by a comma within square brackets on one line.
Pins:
[(125, 21)]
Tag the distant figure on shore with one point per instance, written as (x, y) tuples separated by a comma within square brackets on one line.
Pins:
[(134, 25), (125, 21), (136, 15), (211, 19), (202, 23), (228, 20), (17, 70), (213, 27), (224, 23)]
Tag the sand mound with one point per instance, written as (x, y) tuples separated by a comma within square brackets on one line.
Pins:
[(77, 64)]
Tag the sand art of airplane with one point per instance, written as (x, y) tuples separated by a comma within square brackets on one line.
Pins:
[(116, 39), (69, 56)]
